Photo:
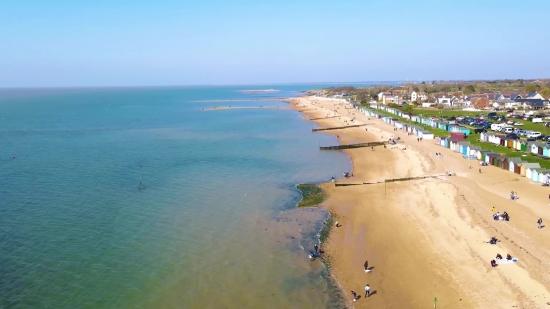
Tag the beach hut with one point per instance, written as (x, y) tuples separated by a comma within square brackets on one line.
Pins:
[(546, 151), (511, 163), (498, 160), (534, 148), (544, 177), (454, 145), (484, 137), (457, 136), (464, 147), (525, 166), (510, 143), (525, 146), (426, 134), (487, 157), (472, 150), (517, 144), (480, 153), (541, 176), (528, 167), (533, 173)]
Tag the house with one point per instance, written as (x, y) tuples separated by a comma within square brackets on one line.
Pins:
[(507, 103), (480, 103), (444, 100), (527, 166), (534, 96), (494, 96), (418, 96), (532, 103), (515, 96)]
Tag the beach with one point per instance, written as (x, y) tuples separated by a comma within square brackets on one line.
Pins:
[(426, 239)]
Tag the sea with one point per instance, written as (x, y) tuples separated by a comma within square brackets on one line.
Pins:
[(214, 224)]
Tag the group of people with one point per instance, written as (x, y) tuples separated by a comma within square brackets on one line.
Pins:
[(315, 253), (501, 216), (499, 257), (367, 293), (438, 154), (367, 287)]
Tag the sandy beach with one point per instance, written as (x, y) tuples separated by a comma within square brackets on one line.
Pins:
[(426, 239), (219, 108)]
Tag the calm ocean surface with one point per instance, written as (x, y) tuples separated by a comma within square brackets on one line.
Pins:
[(216, 226)]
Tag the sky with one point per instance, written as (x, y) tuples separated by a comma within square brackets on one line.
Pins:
[(64, 43)]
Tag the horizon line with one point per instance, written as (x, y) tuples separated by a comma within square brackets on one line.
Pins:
[(380, 82)]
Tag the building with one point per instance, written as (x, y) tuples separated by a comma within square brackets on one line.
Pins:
[(418, 96), (444, 100), (534, 96), (480, 103)]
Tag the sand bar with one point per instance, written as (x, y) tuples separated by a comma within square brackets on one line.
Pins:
[(426, 238)]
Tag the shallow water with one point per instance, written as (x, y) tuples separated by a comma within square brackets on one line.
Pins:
[(215, 226)]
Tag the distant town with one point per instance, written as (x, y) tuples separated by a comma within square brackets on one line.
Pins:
[(480, 95)]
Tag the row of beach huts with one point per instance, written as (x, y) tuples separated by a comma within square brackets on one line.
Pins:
[(456, 142)]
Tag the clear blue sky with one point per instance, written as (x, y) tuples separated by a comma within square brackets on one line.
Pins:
[(190, 42)]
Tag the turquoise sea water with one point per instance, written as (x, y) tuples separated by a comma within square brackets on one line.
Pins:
[(215, 227)]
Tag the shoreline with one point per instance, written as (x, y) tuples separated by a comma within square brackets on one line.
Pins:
[(412, 230)]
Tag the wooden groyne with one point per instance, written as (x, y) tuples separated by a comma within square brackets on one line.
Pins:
[(351, 146), (324, 118), (336, 128), (388, 180)]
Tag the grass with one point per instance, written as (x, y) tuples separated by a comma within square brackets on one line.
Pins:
[(323, 235), (312, 195), (508, 152), (474, 138), (435, 131), (527, 125)]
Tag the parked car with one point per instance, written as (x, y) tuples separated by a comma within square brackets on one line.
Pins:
[(531, 139), (537, 120), (518, 124), (481, 130), (512, 136), (534, 134)]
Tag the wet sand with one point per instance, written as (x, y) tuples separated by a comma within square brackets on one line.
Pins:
[(426, 238)]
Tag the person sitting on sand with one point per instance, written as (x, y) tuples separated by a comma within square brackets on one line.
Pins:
[(508, 257), (493, 241), (493, 263), (499, 257)]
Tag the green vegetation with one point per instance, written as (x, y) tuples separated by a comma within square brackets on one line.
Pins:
[(474, 138), (508, 152), (545, 92), (312, 195), (527, 125), (323, 235), (436, 132), (531, 88)]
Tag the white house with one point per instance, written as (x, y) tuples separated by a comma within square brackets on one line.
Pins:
[(534, 95), (427, 104), (382, 94), (415, 96), (444, 100)]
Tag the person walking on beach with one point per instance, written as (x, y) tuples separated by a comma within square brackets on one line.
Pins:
[(539, 222), (367, 291), (366, 266), (316, 248), (354, 295)]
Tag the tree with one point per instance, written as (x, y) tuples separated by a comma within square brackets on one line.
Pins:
[(415, 89), (545, 92), (531, 88), (469, 89)]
